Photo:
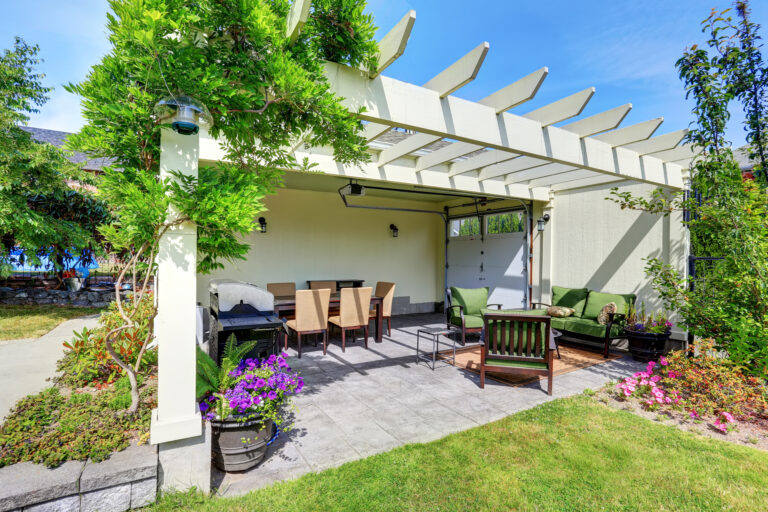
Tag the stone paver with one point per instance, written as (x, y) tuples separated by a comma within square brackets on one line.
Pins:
[(26, 365), (362, 402)]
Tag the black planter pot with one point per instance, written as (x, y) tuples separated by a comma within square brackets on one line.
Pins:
[(644, 346), (238, 446)]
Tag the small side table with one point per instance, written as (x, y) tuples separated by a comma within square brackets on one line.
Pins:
[(434, 333), (554, 333)]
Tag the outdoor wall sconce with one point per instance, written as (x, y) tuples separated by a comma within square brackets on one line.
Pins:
[(262, 224), (394, 230), (542, 221), (185, 114)]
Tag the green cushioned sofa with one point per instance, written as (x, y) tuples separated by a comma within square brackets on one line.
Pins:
[(587, 305)]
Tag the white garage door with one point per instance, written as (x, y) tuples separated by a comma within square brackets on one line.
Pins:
[(496, 260)]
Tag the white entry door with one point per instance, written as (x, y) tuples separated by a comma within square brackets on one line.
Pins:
[(496, 260)]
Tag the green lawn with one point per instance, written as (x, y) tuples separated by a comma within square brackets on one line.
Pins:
[(572, 454), (34, 321)]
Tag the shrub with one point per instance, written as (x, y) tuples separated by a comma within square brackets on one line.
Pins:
[(87, 360), (50, 428), (704, 385)]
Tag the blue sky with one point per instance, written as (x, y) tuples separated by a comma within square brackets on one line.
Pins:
[(626, 50)]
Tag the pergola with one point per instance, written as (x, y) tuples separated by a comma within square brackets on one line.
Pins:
[(481, 146), (476, 148)]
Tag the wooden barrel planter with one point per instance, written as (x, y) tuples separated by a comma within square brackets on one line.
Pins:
[(645, 346), (239, 446)]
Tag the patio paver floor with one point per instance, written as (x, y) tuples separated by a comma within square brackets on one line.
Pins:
[(362, 402)]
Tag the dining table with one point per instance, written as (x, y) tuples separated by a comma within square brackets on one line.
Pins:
[(288, 303)]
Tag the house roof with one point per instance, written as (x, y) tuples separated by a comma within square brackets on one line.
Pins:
[(742, 158), (57, 138)]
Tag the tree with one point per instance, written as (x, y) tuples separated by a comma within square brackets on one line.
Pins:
[(265, 91), (39, 212), (727, 213)]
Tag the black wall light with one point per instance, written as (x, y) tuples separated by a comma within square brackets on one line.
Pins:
[(394, 230), (542, 221), (263, 224)]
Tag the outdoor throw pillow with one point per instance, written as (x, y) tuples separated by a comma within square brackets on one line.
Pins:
[(602, 317), (560, 311)]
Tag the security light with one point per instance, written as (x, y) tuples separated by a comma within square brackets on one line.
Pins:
[(185, 114), (262, 224), (353, 189), (394, 230), (542, 221)]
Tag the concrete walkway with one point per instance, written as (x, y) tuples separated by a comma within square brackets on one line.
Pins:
[(362, 402), (26, 365)]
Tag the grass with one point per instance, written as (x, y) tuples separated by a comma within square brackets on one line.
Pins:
[(33, 321), (570, 454)]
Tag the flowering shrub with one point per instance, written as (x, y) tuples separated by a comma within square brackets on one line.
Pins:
[(704, 386), (259, 390), (86, 360), (653, 323)]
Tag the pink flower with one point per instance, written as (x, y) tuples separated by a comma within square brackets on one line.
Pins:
[(663, 361), (651, 364), (656, 378), (672, 375), (694, 414), (728, 417)]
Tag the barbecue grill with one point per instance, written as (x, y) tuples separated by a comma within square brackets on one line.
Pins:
[(246, 311)]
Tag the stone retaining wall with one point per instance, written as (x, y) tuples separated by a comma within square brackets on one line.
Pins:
[(40, 296), (125, 481)]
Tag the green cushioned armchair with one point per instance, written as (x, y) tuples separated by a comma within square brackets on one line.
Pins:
[(587, 305), (465, 310)]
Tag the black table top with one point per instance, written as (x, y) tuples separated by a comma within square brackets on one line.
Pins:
[(236, 323)]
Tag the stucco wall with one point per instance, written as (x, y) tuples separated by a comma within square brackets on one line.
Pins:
[(311, 235), (597, 245)]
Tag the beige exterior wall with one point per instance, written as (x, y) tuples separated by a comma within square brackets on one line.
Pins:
[(595, 244), (311, 235)]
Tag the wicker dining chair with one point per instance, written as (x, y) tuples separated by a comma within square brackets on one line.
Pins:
[(354, 307), (282, 289), (387, 292), (320, 285), (311, 316)]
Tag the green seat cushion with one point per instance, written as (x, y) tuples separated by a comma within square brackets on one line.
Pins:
[(588, 327), (514, 364), (532, 312), (559, 323), (570, 298), (597, 300), (473, 300), (470, 321)]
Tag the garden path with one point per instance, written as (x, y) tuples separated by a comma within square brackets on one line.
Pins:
[(27, 364)]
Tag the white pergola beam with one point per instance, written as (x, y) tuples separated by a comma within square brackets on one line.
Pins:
[(659, 143), (297, 18), (585, 182), (599, 123), (446, 154), (535, 172), (375, 130), (388, 101), (517, 92), (563, 177), (562, 109), (632, 133), (514, 165), (460, 73), (393, 44), (485, 159), (408, 145), (684, 152)]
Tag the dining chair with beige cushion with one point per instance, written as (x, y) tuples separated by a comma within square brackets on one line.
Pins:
[(387, 292), (282, 289), (311, 316), (354, 307), (320, 285)]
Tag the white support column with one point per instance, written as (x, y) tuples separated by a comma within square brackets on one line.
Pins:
[(176, 422)]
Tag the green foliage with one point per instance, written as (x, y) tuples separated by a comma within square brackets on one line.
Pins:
[(213, 378), (505, 223), (52, 427), (39, 212), (86, 359), (729, 299)]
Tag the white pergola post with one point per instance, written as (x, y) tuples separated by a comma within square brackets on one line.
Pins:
[(176, 423)]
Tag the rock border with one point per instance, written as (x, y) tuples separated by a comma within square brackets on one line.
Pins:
[(125, 481), (40, 296)]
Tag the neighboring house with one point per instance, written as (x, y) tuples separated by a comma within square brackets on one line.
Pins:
[(58, 138)]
